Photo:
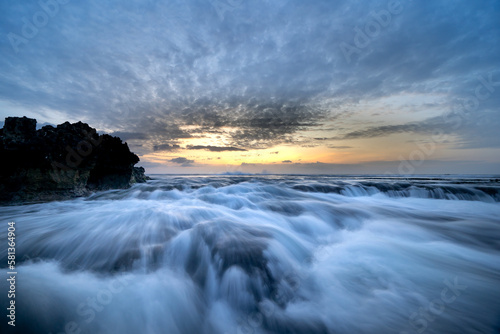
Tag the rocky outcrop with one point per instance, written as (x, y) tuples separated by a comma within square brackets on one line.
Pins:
[(61, 162), (139, 176)]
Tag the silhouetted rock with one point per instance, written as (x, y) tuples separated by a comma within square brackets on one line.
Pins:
[(61, 162), (17, 130)]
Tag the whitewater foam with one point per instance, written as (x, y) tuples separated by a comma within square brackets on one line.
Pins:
[(274, 254)]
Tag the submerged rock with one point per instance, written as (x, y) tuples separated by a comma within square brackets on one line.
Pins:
[(62, 162)]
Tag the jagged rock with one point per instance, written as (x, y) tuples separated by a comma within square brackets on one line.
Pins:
[(139, 176), (61, 162), (17, 130)]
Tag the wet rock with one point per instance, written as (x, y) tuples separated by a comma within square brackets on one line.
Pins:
[(139, 176)]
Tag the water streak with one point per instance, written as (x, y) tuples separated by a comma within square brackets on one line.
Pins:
[(266, 254)]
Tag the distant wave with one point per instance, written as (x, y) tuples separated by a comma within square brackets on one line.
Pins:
[(467, 189)]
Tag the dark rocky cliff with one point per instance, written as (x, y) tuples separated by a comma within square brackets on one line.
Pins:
[(61, 162)]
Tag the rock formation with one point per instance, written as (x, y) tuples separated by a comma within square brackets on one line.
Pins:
[(61, 162)]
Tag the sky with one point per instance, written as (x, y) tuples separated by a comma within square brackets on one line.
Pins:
[(261, 86)]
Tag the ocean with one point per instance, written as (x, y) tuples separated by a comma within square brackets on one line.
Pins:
[(261, 254)]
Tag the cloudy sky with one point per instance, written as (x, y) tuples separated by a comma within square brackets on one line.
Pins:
[(281, 86)]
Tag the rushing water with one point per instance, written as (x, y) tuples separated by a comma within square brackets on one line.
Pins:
[(266, 254)]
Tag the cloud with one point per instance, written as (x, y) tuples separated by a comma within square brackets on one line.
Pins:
[(428, 126), (184, 162), (339, 147), (214, 148), (287, 162), (253, 123), (166, 147), (162, 72), (130, 135)]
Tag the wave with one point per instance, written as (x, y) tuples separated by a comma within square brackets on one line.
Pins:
[(467, 189), (254, 254)]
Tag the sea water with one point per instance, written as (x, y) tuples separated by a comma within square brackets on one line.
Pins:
[(261, 254)]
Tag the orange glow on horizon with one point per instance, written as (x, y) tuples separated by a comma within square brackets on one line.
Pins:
[(341, 152)]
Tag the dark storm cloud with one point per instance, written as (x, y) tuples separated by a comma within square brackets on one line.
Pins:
[(160, 71)]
